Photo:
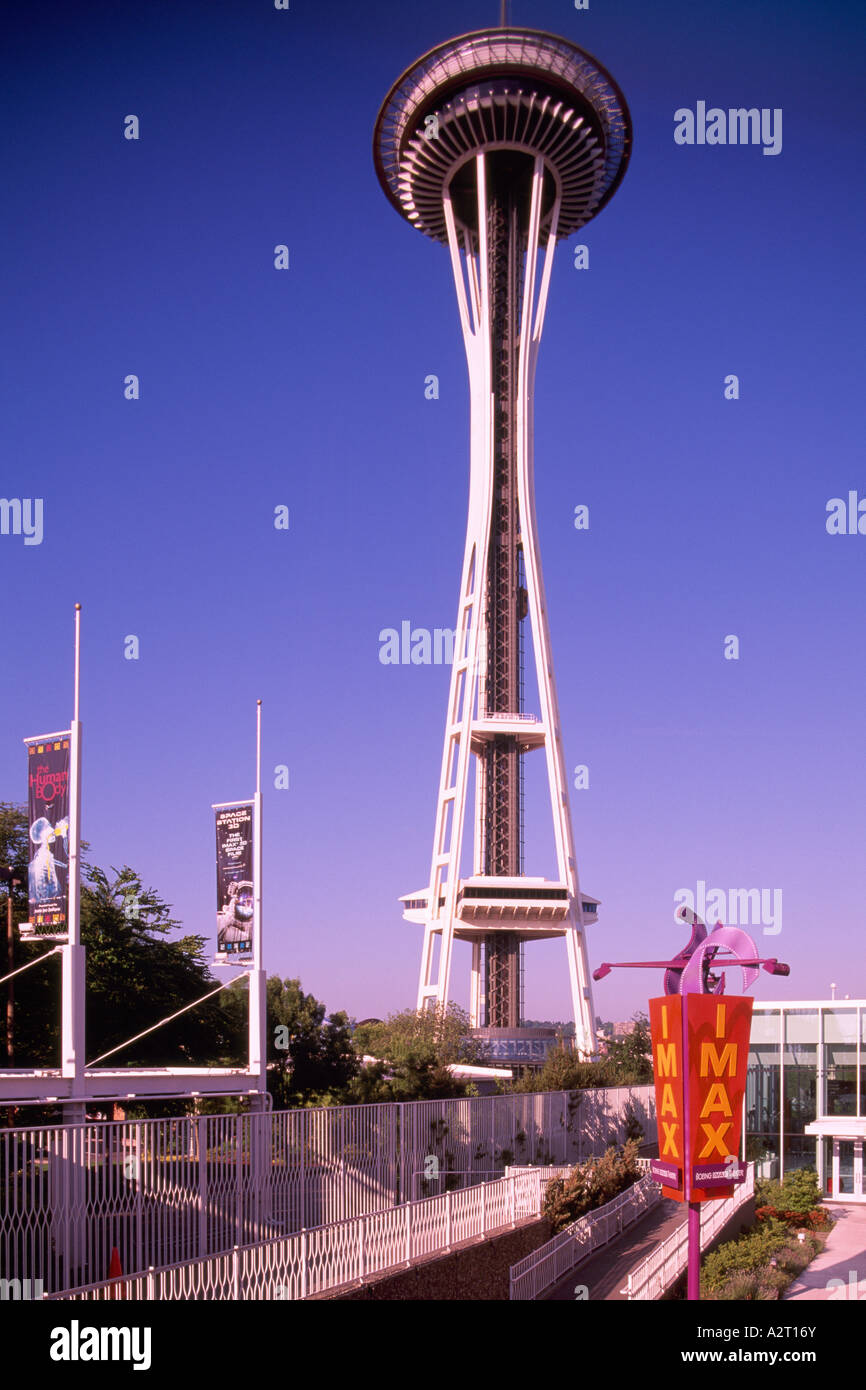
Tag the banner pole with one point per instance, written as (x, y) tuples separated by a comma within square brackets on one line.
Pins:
[(257, 843), (75, 796), (73, 1038), (693, 1289), (694, 1278), (258, 1053), (77, 677)]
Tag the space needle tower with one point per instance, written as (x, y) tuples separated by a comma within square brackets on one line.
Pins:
[(498, 144)]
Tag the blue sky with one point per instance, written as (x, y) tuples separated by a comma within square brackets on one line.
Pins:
[(306, 388)]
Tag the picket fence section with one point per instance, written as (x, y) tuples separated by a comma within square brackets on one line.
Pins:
[(328, 1257), (530, 1277), (660, 1270), (167, 1191)]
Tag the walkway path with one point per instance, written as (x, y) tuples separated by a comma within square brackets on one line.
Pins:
[(606, 1272), (843, 1259)]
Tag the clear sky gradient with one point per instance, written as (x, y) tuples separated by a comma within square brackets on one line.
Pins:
[(305, 388)]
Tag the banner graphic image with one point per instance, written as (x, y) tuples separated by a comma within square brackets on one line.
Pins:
[(234, 836), (48, 806)]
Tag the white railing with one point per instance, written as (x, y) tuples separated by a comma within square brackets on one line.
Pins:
[(344, 1252), (170, 1190), (516, 718), (544, 1268), (547, 1171), (563, 1170), (667, 1262)]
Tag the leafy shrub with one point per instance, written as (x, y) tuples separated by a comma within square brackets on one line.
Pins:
[(751, 1252), (770, 1285), (591, 1185), (633, 1127), (757, 1265), (819, 1219), (816, 1220), (798, 1192), (794, 1258), (740, 1287)]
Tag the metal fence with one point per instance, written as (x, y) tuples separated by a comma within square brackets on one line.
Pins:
[(661, 1269), (328, 1257), (531, 1276), (169, 1190)]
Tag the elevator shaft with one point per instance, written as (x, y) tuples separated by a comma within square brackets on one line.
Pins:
[(501, 785)]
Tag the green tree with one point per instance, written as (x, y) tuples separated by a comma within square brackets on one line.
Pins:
[(563, 1070), (14, 847), (134, 978), (13, 839), (626, 1062), (311, 1057), (37, 992), (629, 1059), (413, 1052)]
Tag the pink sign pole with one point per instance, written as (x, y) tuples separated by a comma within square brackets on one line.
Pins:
[(699, 968)]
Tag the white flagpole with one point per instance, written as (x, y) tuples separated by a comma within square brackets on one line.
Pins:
[(73, 1054), (75, 796), (258, 1045), (257, 846)]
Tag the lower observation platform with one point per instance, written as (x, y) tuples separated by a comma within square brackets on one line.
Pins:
[(536, 907)]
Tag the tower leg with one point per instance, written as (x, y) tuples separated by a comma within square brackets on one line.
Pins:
[(448, 836), (475, 987), (425, 980), (584, 1023)]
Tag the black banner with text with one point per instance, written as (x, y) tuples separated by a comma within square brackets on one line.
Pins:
[(234, 834)]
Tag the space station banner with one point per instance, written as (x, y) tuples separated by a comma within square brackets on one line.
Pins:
[(235, 892), (48, 821)]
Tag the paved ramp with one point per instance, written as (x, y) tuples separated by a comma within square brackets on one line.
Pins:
[(607, 1271), (839, 1272)]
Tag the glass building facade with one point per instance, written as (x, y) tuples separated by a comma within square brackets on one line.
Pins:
[(806, 1091)]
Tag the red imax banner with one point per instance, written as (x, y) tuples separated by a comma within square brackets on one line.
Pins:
[(700, 1082)]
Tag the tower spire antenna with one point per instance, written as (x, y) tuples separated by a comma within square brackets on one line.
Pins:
[(503, 14)]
